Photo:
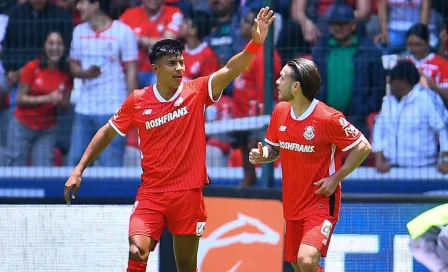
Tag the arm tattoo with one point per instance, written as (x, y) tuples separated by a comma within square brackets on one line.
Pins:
[(273, 154)]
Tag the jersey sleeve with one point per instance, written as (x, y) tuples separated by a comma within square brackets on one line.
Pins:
[(122, 120), (271, 134), (75, 48), (203, 85), (129, 47), (27, 75), (341, 133)]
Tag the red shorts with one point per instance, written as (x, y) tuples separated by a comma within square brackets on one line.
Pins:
[(183, 212), (315, 230)]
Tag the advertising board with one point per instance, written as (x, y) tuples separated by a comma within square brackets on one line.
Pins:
[(240, 235)]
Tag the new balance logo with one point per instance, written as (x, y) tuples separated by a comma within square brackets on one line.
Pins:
[(147, 112), (282, 128)]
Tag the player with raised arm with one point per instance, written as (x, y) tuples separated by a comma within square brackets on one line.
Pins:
[(310, 137), (169, 116)]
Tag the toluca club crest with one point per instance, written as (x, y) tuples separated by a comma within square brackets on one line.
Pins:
[(309, 133)]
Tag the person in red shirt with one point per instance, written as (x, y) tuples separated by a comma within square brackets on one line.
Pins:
[(433, 68), (169, 116), (151, 22), (200, 59), (309, 137), (248, 87), (44, 86)]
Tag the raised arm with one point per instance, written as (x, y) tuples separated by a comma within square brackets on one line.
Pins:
[(240, 61)]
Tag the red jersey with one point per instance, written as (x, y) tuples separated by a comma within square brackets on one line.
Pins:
[(310, 149), (249, 85), (171, 135), (168, 19), (435, 67), (199, 62), (41, 81)]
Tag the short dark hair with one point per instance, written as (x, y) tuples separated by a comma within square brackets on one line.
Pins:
[(166, 47), (307, 74), (104, 5), (202, 21), (420, 30), (405, 70)]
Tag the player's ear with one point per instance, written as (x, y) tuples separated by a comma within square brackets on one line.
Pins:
[(296, 85), (155, 69)]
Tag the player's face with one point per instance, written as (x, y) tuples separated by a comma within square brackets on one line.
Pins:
[(417, 47), (170, 70), (86, 9), (285, 85), (54, 47)]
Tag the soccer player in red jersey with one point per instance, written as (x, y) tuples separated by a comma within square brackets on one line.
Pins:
[(310, 137), (170, 120)]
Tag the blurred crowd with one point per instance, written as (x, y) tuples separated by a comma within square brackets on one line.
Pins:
[(67, 65)]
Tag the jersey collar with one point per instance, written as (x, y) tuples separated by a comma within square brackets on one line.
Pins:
[(161, 99), (306, 113)]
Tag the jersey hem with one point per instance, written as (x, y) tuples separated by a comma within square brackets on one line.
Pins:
[(210, 89), (353, 144), (116, 129), (271, 142)]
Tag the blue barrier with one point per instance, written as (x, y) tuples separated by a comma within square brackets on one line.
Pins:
[(123, 182), (379, 231)]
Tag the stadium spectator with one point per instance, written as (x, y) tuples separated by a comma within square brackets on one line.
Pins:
[(45, 85), (224, 27), (434, 68), (200, 59), (4, 96), (248, 87), (396, 17), (411, 130), (151, 22), (100, 47), (353, 78), (70, 7), (443, 45), (28, 26), (312, 15)]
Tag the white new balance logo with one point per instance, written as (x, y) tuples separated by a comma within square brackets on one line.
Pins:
[(282, 128), (147, 112)]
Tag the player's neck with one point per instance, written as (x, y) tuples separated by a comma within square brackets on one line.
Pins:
[(300, 105), (192, 43), (165, 91), (100, 22)]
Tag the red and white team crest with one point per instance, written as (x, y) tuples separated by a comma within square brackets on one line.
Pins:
[(179, 101), (309, 133)]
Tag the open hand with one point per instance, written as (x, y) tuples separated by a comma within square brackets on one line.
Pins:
[(261, 26)]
